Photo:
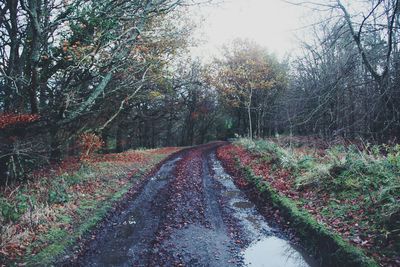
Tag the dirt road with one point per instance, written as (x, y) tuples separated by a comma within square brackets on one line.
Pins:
[(190, 213)]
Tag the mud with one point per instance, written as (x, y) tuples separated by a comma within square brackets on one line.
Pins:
[(190, 213)]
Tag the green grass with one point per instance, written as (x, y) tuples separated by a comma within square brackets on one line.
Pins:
[(58, 210), (59, 240), (346, 172), (361, 188), (334, 251)]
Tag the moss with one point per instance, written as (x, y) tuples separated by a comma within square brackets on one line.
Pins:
[(55, 234), (45, 257), (316, 238), (56, 238), (92, 221), (120, 193)]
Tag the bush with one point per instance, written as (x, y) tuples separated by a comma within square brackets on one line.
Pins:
[(8, 211), (89, 144), (374, 173), (306, 162), (19, 157)]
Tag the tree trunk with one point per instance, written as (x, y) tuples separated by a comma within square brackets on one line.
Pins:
[(11, 85), (249, 115), (55, 145), (120, 140)]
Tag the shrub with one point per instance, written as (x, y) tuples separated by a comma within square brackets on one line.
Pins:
[(8, 211), (374, 173), (19, 157), (306, 162), (89, 144)]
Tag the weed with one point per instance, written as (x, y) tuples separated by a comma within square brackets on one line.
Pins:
[(354, 191), (8, 211), (58, 194), (314, 177)]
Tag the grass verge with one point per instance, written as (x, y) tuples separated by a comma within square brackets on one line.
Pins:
[(265, 174), (330, 247), (42, 218)]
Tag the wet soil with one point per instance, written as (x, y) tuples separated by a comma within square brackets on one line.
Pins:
[(190, 213)]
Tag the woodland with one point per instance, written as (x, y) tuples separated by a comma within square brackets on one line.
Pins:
[(120, 72), (79, 77)]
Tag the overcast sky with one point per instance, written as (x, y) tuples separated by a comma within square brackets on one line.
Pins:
[(271, 23)]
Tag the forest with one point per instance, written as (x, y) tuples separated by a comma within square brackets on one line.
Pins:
[(68, 71), (94, 81)]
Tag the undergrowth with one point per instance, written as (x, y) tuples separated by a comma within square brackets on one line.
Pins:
[(41, 218), (354, 191)]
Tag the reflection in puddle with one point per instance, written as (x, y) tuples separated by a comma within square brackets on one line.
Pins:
[(133, 217), (164, 172), (243, 205), (266, 248), (273, 252), (231, 194)]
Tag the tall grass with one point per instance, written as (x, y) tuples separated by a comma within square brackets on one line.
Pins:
[(373, 172)]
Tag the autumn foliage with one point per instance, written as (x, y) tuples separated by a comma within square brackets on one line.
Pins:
[(8, 119), (89, 144)]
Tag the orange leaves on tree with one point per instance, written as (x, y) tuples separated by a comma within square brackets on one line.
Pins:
[(9, 119)]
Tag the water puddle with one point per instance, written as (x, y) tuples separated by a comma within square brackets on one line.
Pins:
[(133, 218), (231, 194), (244, 210), (165, 170), (266, 247), (243, 205), (273, 252)]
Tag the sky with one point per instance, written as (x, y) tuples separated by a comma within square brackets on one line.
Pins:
[(270, 23)]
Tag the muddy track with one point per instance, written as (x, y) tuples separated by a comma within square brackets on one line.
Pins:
[(190, 213)]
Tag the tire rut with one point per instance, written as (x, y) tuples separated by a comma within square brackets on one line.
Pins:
[(186, 215)]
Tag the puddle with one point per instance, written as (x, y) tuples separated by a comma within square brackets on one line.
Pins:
[(266, 248), (165, 170), (244, 210), (273, 252), (133, 219), (231, 194), (132, 231), (243, 205), (254, 220)]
